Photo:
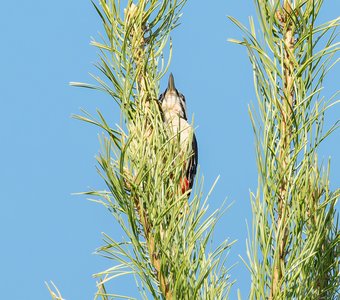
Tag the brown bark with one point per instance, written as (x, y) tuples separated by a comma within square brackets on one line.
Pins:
[(138, 48), (287, 104)]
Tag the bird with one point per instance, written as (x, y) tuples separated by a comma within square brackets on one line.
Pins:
[(174, 112)]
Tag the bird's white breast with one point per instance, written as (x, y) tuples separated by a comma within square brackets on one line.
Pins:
[(172, 105), (179, 126)]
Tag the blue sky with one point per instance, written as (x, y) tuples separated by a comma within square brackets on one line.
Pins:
[(48, 234)]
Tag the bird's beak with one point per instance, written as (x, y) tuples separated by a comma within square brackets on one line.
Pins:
[(171, 84)]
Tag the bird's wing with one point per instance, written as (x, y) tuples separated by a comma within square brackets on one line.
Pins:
[(193, 160)]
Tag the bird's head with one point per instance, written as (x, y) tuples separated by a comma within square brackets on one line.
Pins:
[(172, 101)]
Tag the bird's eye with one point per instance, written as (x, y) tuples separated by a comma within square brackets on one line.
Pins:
[(182, 97), (161, 97)]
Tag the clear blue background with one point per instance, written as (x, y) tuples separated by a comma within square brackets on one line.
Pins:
[(48, 234)]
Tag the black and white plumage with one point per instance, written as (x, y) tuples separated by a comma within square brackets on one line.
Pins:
[(175, 116)]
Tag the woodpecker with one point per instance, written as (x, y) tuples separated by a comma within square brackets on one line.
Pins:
[(174, 112)]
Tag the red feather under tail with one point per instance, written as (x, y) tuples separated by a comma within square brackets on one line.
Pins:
[(185, 184)]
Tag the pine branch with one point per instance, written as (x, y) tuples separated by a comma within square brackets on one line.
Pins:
[(141, 163), (295, 234)]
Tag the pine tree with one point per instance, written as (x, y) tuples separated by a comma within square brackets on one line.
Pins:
[(167, 235), (294, 247)]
